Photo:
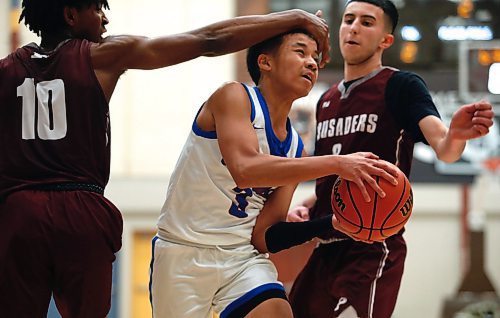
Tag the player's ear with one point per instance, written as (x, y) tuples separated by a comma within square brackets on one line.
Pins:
[(70, 16), (264, 62), (387, 41)]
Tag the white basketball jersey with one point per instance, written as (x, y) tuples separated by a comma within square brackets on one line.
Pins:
[(203, 205)]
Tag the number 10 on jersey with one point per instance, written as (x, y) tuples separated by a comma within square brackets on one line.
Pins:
[(50, 98)]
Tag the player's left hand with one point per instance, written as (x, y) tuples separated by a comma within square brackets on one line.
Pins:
[(472, 121), (299, 213)]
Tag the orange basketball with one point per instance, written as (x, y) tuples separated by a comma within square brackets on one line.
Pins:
[(375, 220)]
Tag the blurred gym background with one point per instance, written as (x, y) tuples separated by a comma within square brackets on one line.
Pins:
[(453, 258)]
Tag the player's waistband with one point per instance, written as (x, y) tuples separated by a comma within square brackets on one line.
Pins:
[(165, 236), (68, 187)]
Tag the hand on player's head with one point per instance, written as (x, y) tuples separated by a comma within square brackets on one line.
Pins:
[(318, 27), (362, 167)]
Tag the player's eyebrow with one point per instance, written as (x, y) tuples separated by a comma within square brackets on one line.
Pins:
[(365, 16)]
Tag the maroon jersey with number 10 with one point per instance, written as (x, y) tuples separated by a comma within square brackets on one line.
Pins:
[(54, 118)]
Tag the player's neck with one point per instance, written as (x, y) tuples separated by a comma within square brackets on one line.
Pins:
[(276, 99), (278, 107), (354, 71), (50, 41)]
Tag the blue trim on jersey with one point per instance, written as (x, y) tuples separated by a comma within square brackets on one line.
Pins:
[(200, 132), (252, 111), (300, 148), (153, 242), (276, 146), (249, 296)]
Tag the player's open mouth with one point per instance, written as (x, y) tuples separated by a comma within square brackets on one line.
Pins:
[(308, 77)]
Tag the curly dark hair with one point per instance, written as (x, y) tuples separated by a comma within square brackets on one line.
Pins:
[(46, 16), (266, 47)]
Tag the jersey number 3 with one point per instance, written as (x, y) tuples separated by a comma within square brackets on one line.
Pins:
[(238, 210), (51, 120)]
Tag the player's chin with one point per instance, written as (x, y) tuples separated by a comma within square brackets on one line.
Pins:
[(100, 36), (304, 91)]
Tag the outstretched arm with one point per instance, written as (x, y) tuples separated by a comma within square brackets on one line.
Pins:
[(120, 53), (468, 122)]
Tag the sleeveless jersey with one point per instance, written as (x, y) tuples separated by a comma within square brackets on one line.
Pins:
[(54, 118), (204, 206), (358, 118)]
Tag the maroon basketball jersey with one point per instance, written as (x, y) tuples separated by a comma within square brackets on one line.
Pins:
[(54, 118), (357, 119)]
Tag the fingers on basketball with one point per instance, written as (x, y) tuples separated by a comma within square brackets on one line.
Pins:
[(375, 220)]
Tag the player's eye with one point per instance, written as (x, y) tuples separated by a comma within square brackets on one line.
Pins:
[(300, 51), (348, 20)]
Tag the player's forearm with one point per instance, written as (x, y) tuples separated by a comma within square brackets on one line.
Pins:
[(284, 235), (267, 170), (449, 149)]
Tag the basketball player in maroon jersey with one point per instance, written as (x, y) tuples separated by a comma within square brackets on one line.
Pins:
[(384, 111), (58, 233)]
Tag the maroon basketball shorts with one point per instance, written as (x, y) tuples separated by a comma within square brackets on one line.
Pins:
[(60, 242), (353, 274)]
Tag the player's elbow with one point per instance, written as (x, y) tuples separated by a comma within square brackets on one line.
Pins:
[(448, 158), (242, 176), (243, 180)]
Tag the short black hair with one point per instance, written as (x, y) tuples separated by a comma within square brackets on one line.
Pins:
[(46, 16), (387, 6), (265, 47)]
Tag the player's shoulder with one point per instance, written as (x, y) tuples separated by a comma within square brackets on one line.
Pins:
[(231, 85), (406, 77), (228, 89), (117, 40), (329, 94), (4, 62), (229, 94), (406, 81)]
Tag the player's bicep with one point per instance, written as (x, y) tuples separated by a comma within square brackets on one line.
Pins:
[(231, 110), (138, 52)]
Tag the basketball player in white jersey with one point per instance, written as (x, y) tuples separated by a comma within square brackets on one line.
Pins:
[(241, 156)]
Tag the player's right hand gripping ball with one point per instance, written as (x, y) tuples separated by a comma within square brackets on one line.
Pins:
[(375, 220)]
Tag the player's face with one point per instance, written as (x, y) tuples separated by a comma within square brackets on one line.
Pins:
[(296, 63), (91, 23), (362, 32)]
